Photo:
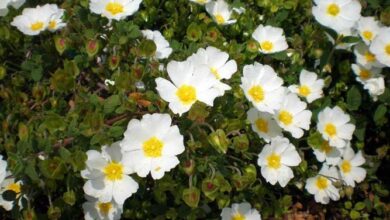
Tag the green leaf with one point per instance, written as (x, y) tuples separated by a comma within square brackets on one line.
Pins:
[(111, 103), (354, 98), (379, 115), (359, 206), (53, 168), (36, 74), (315, 140)]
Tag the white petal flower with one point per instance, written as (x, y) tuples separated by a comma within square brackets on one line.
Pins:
[(276, 159), (152, 145), (293, 115), (350, 169), (163, 50), (262, 87), (368, 28), (201, 2), (189, 85), (271, 39), (337, 14), (328, 154), (96, 210), (264, 124), (11, 184), (310, 86), (55, 20), (114, 9), (107, 175), (3, 169), (334, 126), (4, 4), (220, 12), (321, 186), (364, 73), (365, 57), (32, 21), (218, 62), (240, 211), (381, 46), (375, 87)]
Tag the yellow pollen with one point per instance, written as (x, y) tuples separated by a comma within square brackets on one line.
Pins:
[(153, 147), (262, 125), (201, 1), (37, 26), (346, 166), (257, 93), (52, 25), (14, 187), (214, 71), (325, 147), (304, 91), (367, 35), (267, 46), (322, 182), (113, 171), (114, 8), (157, 169), (365, 74), (186, 94), (285, 117), (219, 18), (273, 161), (238, 216), (333, 9), (387, 49), (330, 130), (369, 57), (104, 208)]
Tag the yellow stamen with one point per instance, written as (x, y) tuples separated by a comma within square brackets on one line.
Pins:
[(14, 187), (186, 94), (369, 57), (104, 208), (368, 35), (325, 147), (365, 74), (387, 49), (322, 182), (262, 125), (214, 71), (333, 9), (304, 91), (153, 147), (330, 130), (52, 25), (346, 166), (267, 46), (238, 216), (37, 26), (113, 171), (285, 117), (219, 19), (257, 93), (273, 161), (114, 8)]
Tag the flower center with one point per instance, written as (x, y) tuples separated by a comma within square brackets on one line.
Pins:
[(113, 171), (238, 216), (201, 1), (387, 49), (52, 25), (267, 46), (365, 74), (262, 125), (367, 35), (104, 208), (114, 8), (273, 161), (153, 147), (304, 91), (214, 71), (325, 147), (257, 93), (285, 117), (369, 57), (322, 182), (330, 130), (346, 166), (14, 187), (219, 18), (186, 94), (333, 9), (36, 26)]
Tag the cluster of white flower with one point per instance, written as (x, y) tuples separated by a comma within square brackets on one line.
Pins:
[(5, 3), (33, 21), (373, 53), (150, 145), (7, 182)]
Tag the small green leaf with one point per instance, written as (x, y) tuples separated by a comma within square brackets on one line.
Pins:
[(354, 98), (380, 114)]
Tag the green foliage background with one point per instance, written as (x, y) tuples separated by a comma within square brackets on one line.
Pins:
[(54, 104)]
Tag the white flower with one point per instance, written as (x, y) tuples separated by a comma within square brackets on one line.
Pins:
[(95, 210), (220, 12), (276, 159), (375, 87), (189, 85), (152, 145), (321, 185), (365, 73), (5, 3), (32, 21), (264, 124), (114, 9), (55, 19), (262, 87), (163, 50), (293, 115), (337, 14), (368, 28), (107, 175), (310, 86), (350, 169), (381, 46), (16, 186), (325, 152), (201, 2), (334, 127), (271, 39), (218, 62), (365, 57), (3, 168), (240, 211)]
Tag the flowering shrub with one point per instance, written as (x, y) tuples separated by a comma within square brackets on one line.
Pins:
[(194, 109)]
